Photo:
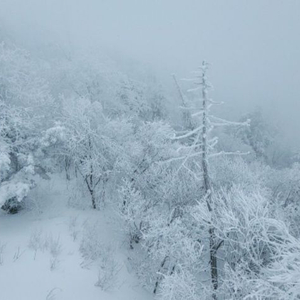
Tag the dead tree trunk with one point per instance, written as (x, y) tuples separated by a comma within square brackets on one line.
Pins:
[(208, 187), (187, 120), (200, 144)]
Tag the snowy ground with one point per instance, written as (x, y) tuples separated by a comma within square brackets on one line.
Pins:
[(40, 257)]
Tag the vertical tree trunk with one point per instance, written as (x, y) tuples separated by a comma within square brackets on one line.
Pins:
[(92, 187), (92, 192), (208, 190), (159, 277), (93, 199), (213, 261), (67, 168)]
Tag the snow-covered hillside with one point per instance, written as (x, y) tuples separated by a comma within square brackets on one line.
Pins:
[(46, 256), (117, 183)]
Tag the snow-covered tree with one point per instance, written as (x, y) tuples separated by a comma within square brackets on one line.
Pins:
[(259, 135), (26, 109), (140, 190), (94, 143), (195, 155), (95, 76)]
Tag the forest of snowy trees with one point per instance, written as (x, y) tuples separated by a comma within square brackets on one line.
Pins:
[(211, 220), (209, 206)]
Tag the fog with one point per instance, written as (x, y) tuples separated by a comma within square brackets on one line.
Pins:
[(253, 46)]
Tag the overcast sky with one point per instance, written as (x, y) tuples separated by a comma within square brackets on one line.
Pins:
[(253, 45)]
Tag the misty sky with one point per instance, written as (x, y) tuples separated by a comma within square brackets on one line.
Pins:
[(254, 45)]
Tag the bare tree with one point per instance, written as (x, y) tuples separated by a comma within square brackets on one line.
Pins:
[(201, 145), (187, 120)]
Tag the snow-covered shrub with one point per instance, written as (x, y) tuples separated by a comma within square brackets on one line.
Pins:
[(15, 190), (259, 135), (52, 294), (285, 185), (179, 253), (236, 171), (257, 249), (91, 246), (4, 160), (73, 227), (131, 209), (283, 275), (46, 243), (53, 245), (155, 209), (95, 252), (36, 242), (18, 253), (154, 200), (108, 270), (180, 285), (2, 247)]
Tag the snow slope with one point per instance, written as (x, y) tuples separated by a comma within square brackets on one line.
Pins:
[(40, 255)]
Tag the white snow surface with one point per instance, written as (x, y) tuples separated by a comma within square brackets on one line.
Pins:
[(25, 271)]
